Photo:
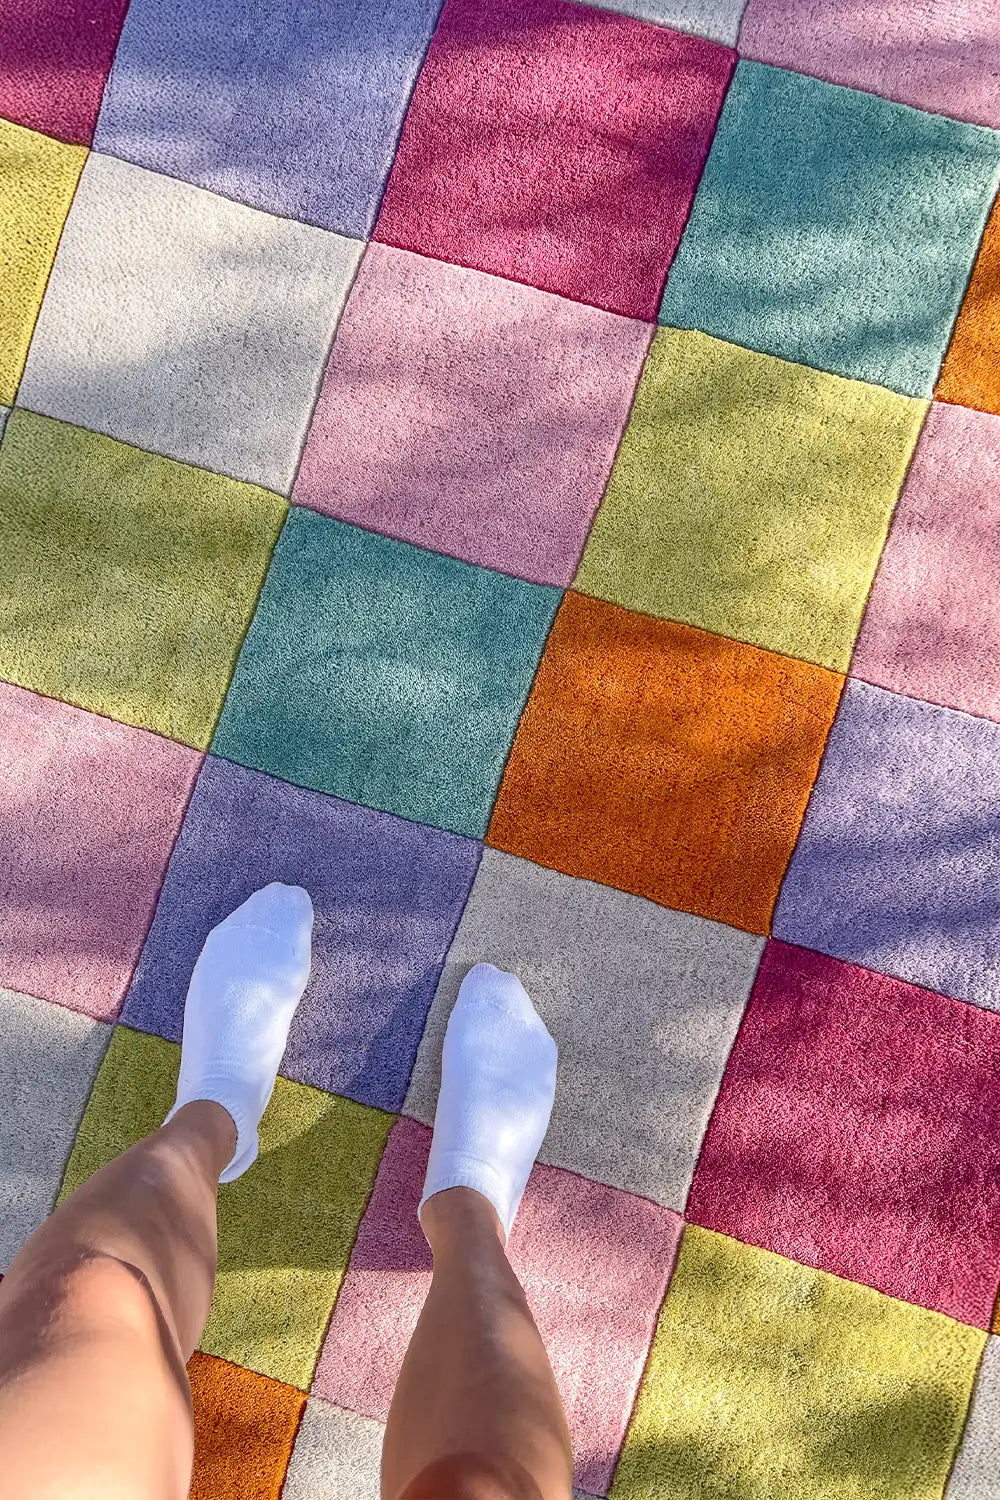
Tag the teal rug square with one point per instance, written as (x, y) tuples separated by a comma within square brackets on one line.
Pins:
[(386, 675), (834, 229)]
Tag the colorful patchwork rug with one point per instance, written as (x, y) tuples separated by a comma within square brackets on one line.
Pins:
[(527, 472)]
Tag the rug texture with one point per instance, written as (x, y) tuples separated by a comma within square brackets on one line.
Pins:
[(942, 57), (767, 1378), (296, 111), (806, 242), (970, 375), (491, 411), (127, 581), (750, 497), (930, 629), (529, 152), (57, 56), (39, 178), (526, 472), (244, 1430)]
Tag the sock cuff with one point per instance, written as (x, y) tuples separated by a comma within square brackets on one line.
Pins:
[(220, 1091), (455, 1169)]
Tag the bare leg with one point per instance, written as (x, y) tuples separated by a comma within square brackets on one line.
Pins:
[(103, 1307), (476, 1414), (99, 1314)]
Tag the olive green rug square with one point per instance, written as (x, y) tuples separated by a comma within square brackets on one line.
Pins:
[(286, 1229), (751, 497), (127, 580), (767, 1379)]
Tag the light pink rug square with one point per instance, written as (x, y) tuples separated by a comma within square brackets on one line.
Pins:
[(89, 810), (939, 55), (594, 1263), (471, 415), (932, 626)]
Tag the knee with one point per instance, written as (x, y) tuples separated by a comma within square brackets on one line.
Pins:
[(472, 1476)]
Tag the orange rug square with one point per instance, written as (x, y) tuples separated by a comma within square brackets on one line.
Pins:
[(665, 761), (244, 1431), (971, 372)]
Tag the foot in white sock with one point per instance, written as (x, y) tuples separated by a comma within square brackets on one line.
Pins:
[(244, 990), (498, 1081)]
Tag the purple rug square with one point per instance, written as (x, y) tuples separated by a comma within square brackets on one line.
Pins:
[(898, 863), (295, 109), (387, 896)]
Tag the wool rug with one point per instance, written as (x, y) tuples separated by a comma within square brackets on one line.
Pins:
[(525, 472)]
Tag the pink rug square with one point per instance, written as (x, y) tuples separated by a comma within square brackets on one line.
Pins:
[(471, 415), (939, 55), (594, 1263), (556, 144), (857, 1130), (932, 626), (89, 810)]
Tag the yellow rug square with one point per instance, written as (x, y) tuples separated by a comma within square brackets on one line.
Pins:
[(767, 1380), (286, 1227), (751, 497), (127, 580), (38, 178)]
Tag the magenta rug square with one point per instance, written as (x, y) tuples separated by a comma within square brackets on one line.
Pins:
[(56, 59), (857, 1130), (556, 144)]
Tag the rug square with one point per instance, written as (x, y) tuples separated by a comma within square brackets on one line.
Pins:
[(285, 1228), (594, 1263), (387, 675), (203, 325), (557, 145), (643, 1002), (336, 1456), (974, 1474), (387, 896), (898, 864), (971, 372), (767, 1378), (665, 761), (932, 626), (834, 229), (943, 58), (858, 1130), (127, 580), (38, 178), (89, 811), (244, 1429), (296, 112), (48, 1063), (751, 497), (470, 415), (57, 56), (717, 19)]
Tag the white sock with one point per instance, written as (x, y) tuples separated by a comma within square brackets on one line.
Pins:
[(498, 1081), (244, 990)]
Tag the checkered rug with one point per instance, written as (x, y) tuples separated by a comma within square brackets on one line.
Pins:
[(526, 472)]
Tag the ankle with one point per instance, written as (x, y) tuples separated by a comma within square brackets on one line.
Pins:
[(457, 1217), (204, 1128)]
